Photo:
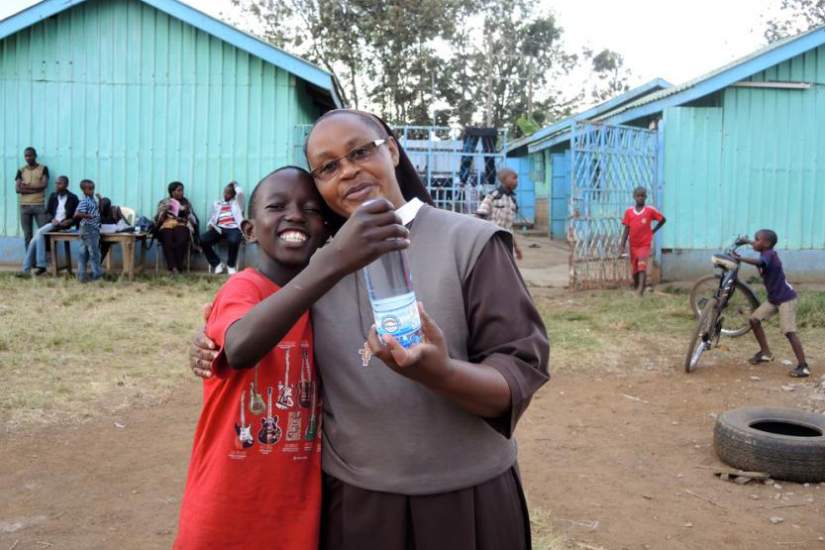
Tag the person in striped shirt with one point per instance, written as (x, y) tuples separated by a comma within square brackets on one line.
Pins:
[(225, 224), (89, 215)]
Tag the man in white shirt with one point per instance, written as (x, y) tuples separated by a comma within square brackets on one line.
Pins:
[(225, 224), (60, 210)]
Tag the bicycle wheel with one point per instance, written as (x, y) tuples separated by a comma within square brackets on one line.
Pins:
[(701, 339), (738, 311)]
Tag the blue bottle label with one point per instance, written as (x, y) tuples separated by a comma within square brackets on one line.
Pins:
[(398, 317)]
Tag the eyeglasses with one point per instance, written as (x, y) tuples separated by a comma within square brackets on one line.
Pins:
[(332, 168)]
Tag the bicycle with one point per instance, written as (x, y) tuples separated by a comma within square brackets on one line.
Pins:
[(712, 296)]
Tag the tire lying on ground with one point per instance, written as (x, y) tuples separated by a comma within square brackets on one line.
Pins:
[(788, 444)]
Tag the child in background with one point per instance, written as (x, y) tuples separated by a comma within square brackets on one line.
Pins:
[(782, 299), (255, 472), (637, 223), (89, 215), (500, 206), (225, 224)]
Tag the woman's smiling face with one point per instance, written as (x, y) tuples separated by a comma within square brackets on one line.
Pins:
[(354, 182)]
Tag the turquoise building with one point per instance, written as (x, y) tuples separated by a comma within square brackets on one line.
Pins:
[(133, 94), (730, 152)]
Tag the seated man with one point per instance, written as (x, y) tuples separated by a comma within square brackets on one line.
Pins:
[(225, 223), (60, 211)]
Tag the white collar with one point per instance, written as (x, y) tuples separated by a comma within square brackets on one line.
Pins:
[(409, 210), (639, 213)]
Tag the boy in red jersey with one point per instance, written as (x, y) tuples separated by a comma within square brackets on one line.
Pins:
[(637, 225), (255, 471)]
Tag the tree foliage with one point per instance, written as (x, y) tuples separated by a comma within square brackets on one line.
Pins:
[(463, 61), (795, 16), (611, 76)]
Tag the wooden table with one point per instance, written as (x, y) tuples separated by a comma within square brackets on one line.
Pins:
[(127, 242)]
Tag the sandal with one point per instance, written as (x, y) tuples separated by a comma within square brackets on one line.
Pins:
[(760, 357), (801, 371)]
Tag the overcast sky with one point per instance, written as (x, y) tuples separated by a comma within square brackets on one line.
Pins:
[(672, 39)]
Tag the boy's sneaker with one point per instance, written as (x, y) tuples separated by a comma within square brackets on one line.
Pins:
[(761, 357), (218, 269), (801, 371), (39, 271), (231, 270)]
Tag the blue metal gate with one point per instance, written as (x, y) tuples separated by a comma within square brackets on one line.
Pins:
[(607, 163)]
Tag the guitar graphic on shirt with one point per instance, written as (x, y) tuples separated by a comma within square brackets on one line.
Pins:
[(244, 430), (270, 433), (312, 425), (256, 402), (284, 389), (305, 385)]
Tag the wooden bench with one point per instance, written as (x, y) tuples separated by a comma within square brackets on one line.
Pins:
[(127, 242)]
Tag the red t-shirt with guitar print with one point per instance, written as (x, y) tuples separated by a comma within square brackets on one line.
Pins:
[(255, 472)]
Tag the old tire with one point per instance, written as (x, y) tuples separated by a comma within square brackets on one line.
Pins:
[(788, 444)]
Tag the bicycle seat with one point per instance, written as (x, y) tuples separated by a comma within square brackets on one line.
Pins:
[(724, 260)]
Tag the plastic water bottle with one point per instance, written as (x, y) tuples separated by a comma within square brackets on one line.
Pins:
[(389, 284)]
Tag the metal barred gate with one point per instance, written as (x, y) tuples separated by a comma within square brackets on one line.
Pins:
[(607, 163)]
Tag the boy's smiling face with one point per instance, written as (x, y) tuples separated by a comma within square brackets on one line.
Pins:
[(286, 219)]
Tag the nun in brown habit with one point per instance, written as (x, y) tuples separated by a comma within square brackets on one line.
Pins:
[(418, 444)]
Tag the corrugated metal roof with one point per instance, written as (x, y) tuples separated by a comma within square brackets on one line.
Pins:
[(605, 107), (723, 76)]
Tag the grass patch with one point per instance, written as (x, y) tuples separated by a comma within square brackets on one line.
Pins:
[(70, 351), (615, 331), (810, 312)]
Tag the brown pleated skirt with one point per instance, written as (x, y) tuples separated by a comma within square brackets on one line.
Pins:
[(489, 516)]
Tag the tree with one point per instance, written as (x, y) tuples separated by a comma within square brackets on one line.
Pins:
[(610, 73), (795, 16), (505, 72), (442, 61), (384, 54)]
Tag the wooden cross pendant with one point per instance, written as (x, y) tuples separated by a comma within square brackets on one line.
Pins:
[(366, 354)]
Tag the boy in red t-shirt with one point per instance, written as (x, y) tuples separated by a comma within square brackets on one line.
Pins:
[(637, 225), (255, 472)]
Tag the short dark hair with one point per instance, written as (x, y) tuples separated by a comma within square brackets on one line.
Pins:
[(505, 170), (174, 185), (30, 148), (86, 182), (64, 178), (770, 234), (640, 189), (258, 185)]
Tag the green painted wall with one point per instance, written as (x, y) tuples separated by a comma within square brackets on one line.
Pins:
[(118, 92), (756, 161), (539, 168)]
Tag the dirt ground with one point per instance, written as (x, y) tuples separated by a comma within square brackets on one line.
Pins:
[(612, 458)]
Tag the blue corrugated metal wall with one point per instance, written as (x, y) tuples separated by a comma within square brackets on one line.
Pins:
[(756, 161), (121, 93)]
